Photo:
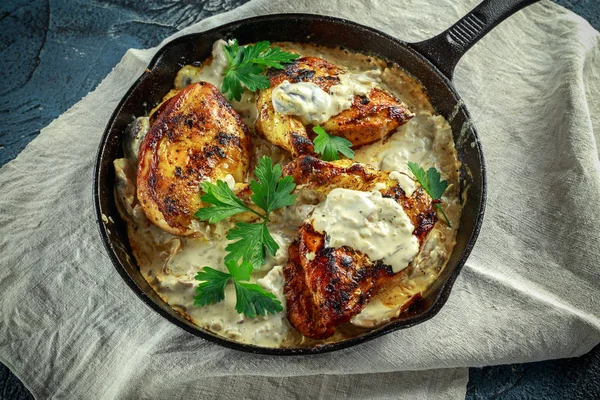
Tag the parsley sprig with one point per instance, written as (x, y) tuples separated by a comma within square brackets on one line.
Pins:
[(271, 192), (250, 242), (251, 299), (247, 64), (329, 146), (431, 182)]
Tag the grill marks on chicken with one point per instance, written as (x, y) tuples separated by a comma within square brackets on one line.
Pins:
[(196, 135), (324, 176), (326, 287), (308, 69), (370, 117), (302, 311)]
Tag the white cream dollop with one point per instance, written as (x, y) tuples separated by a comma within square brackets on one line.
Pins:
[(313, 105), (367, 222), (304, 99)]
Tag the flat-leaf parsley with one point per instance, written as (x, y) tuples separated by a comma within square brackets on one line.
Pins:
[(269, 193), (250, 241), (329, 146), (431, 182), (247, 64), (251, 299)]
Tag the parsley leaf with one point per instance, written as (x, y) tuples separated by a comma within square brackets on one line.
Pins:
[(432, 184), (253, 242), (271, 192), (430, 181), (232, 52), (420, 175), (251, 299), (246, 65), (263, 54), (224, 201), (239, 272), (437, 187), (329, 145), (233, 86), (252, 52), (249, 75), (212, 290)]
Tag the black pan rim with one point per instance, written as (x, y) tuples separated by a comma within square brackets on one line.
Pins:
[(438, 302)]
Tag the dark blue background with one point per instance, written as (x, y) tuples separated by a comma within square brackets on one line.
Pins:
[(52, 53)]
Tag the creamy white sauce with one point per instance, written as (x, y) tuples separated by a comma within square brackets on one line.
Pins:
[(273, 282), (221, 317), (169, 263), (304, 99), (426, 140), (134, 134), (171, 271), (313, 105), (369, 223), (425, 268), (407, 184), (212, 74)]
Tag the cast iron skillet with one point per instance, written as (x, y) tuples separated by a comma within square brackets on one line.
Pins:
[(431, 61)]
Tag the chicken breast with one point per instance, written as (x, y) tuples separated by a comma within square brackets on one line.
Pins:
[(369, 118), (325, 287), (195, 136), (287, 131), (324, 176)]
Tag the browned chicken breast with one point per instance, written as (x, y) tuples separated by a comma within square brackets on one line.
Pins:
[(196, 135), (329, 289), (325, 287), (287, 131), (324, 176), (370, 117)]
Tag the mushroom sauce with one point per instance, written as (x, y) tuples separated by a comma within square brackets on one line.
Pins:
[(169, 263)]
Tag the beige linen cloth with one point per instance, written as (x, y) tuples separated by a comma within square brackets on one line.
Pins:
[(71, 328)]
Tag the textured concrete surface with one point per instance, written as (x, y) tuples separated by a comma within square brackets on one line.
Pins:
[(52, 53)]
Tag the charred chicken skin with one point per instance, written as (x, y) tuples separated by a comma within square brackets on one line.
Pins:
[(325, 287), (369, 118), (329, 289), (195, 136)]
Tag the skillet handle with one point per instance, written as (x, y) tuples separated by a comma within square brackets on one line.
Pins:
[(446, 49)]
